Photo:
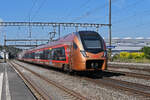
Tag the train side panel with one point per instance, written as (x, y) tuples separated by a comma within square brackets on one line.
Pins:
[(51, 56)]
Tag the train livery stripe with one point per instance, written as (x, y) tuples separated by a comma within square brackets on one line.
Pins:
[(62, 45), (42, 60)]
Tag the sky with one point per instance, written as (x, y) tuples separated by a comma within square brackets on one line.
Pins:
[(130, 18)]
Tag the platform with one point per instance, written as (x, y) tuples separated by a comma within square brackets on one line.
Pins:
[(12, 86)]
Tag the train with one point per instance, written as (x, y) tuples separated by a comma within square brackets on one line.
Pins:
[(77, 51)]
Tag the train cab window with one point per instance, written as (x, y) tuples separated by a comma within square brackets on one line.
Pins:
[(92, 41), (75, 46), (59, 54)]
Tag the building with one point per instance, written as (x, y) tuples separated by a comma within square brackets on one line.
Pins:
[(128, 44)]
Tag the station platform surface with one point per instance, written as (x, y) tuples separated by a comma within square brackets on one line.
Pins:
[(12, 86)]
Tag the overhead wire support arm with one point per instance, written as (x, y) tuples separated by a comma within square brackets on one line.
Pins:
[(51, 24), (26, 39)]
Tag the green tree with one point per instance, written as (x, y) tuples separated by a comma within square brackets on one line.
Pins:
[(146, 51)]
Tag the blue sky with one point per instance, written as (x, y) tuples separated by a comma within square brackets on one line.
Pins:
[(130, 18)]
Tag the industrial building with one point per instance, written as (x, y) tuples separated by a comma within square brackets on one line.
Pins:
[(128, 44)]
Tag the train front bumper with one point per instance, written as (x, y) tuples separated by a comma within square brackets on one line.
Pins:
[(90, 65)]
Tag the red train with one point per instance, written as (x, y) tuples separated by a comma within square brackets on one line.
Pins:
[(79, 51)]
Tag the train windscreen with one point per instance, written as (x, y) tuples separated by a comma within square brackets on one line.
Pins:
[(92, 41)]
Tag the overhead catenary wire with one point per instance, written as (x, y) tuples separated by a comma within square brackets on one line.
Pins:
[(34, 3), (128, 7), (29, 16), (37, 11), (30, 10), (133, 15), (90, 12), (84, 4), (124, 19)]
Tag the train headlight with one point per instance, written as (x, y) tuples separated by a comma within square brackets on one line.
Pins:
[(92, 65), (83, 53)]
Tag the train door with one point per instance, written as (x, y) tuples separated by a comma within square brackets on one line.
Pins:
[(58, 56), (74, 55)]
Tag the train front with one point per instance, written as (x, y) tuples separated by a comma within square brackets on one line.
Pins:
[(89, 51)]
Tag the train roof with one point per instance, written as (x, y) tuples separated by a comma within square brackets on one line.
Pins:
[(66, 40)]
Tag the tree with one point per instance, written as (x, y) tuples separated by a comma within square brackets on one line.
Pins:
[(146, 51)]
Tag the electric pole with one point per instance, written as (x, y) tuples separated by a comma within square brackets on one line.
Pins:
[(110, 29), (5, 48), (29, 27)]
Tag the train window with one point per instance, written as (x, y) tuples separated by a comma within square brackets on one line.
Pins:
[(37, 55), (58, 54), (75, 46), (46, 54), (41, 54), (31, 55), (50, 55), (27, 55), (92, 43)]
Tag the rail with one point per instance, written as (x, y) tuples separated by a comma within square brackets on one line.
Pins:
[(134, 88), (38, 92), (71, 93), (130, 68)]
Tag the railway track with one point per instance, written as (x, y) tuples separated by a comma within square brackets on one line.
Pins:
[(130, 74), (134, 88), (41, 94), (38, 92), (130, 68), (131, 88)]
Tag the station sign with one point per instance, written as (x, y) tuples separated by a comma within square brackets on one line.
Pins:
[(111, 47)]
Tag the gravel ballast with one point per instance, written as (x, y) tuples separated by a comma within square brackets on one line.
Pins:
[(85, 88)]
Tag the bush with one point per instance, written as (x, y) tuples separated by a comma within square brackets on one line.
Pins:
[(116, 56), (125, 55), (134, 55), (146, 51), (137, 55)]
